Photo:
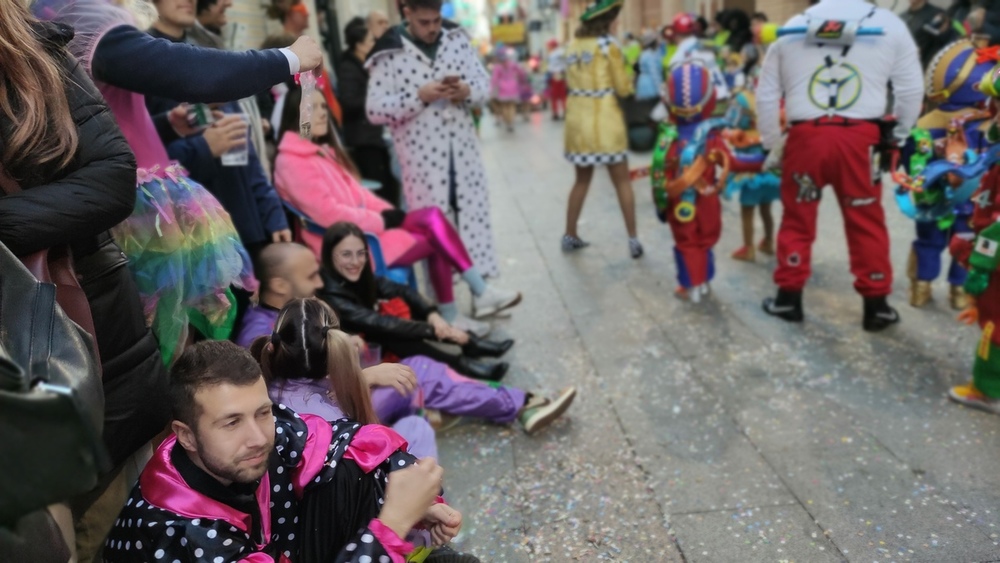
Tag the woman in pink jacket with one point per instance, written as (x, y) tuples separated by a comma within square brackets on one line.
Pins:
[(317, 177)]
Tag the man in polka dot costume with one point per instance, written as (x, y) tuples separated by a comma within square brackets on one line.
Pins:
[(424, 77), (229, 483)]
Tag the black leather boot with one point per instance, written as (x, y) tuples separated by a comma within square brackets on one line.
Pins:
[(786, 306), (478, 348), (481, 370), (879, 315)]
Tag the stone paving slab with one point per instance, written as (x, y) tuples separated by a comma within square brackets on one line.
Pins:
[(775, 533)]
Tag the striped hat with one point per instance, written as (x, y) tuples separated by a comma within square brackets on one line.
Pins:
[(689, 90)]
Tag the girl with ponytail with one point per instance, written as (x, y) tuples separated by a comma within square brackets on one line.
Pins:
[(307, 343)]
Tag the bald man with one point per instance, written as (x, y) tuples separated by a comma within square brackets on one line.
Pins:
[(377, 22), (286, 271)]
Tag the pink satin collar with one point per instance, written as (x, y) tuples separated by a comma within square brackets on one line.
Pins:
[(163, 487), (373, 444), (313, 457)]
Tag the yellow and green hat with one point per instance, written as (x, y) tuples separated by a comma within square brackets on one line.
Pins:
[(599, 8)]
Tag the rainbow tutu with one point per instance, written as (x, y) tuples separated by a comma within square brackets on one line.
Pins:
[(184, 254)]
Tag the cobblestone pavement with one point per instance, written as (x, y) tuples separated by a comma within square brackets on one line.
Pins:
[(714, 433)]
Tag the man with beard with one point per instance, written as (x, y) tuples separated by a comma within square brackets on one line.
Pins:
[(226, 485)]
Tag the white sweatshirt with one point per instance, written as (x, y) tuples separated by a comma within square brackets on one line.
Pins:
[(856, 86), (557, 61)]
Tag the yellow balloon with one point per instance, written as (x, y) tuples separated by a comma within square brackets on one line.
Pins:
[(769, 33)]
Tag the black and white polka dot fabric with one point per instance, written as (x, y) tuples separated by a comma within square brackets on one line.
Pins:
[(191, 527), (429, 139)]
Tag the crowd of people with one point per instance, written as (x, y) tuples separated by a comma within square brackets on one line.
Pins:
[(246, 227), (743, 107), (246, 230)]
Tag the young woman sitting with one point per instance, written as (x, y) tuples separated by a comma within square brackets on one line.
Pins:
[(398, 391), (318, 177), (393, 315), (356, 492)]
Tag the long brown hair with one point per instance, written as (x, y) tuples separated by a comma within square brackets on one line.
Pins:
[(307, 343), (32, 96), (290, 122)]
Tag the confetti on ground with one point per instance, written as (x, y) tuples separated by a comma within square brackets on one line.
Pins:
[(713, 433)]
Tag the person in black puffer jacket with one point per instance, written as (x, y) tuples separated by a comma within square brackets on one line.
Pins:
[(76, 203), (363, 138), (369, 305)]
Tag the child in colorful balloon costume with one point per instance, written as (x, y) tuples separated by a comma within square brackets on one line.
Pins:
[(954, 131), (684, 178)]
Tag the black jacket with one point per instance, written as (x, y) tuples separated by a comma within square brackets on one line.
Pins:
[(357, 318), (352, 91), (76, 205)]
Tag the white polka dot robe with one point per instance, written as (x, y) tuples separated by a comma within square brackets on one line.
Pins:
[(428, 139)]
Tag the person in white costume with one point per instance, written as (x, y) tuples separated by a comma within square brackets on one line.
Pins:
[(833, 66)]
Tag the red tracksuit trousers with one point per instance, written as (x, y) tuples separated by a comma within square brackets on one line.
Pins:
[(694, 239), (833, 152)]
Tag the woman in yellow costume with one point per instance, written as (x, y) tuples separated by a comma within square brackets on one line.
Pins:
[(595, 126)]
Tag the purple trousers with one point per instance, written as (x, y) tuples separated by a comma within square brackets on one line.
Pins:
[(441, 388), (440, 245)]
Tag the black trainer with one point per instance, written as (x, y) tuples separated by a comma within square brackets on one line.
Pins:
[(787, 306), (878, 314)]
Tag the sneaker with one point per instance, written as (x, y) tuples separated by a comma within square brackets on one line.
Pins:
[(786, 306), (479, 329), (971, 397), (540, 412), (635, 248), (494, 300), (442, 422), (878, 314), (571, 243)]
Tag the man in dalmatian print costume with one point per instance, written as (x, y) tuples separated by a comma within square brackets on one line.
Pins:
[(424, 76), (228, 484)]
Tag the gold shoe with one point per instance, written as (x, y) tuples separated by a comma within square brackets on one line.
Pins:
[(920, 293), (959, 299)]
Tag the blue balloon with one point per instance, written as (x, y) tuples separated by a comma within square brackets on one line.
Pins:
[(448, 10)]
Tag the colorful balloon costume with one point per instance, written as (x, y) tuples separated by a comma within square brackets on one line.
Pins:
[(684, 178), (954, 130)]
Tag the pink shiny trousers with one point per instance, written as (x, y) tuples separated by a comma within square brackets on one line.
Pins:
[(440, 245)]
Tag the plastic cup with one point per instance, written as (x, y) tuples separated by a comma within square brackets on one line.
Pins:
[(239, 156), (371, 356)]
